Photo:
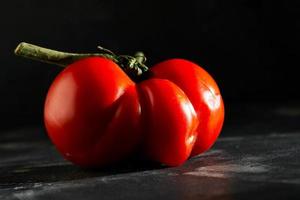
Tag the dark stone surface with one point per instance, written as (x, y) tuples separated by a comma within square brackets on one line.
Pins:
[(239, 166)]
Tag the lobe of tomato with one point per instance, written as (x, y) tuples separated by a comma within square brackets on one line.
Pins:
[(170, 121), (204, 94), (92, 113)]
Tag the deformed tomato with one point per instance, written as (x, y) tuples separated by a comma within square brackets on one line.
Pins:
[(96, 114)]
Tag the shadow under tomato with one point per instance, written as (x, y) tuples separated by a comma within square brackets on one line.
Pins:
[(26, 176)]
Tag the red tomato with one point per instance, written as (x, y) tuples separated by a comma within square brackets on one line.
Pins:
[(95, 114)]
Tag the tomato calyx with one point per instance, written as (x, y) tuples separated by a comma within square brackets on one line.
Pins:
[(133, 66)]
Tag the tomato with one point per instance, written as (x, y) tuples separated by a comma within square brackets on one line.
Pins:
[(96, 115), (104, 107)]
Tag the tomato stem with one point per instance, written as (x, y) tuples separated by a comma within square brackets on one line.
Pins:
[(52, 56), (133, 65)]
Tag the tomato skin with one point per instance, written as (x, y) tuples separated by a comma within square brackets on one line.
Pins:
[(96, 115), (92, 113), (204, 94)]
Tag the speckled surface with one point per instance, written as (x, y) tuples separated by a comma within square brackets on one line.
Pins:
[(245, 166)]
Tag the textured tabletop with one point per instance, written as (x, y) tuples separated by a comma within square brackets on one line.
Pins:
[(239, 166)]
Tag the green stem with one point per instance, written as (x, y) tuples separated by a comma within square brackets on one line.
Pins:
[(52, 56)]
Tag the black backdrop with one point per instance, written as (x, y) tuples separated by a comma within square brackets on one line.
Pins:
[(251, 47)]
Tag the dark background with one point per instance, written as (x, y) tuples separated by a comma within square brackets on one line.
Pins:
[(251, 47)]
